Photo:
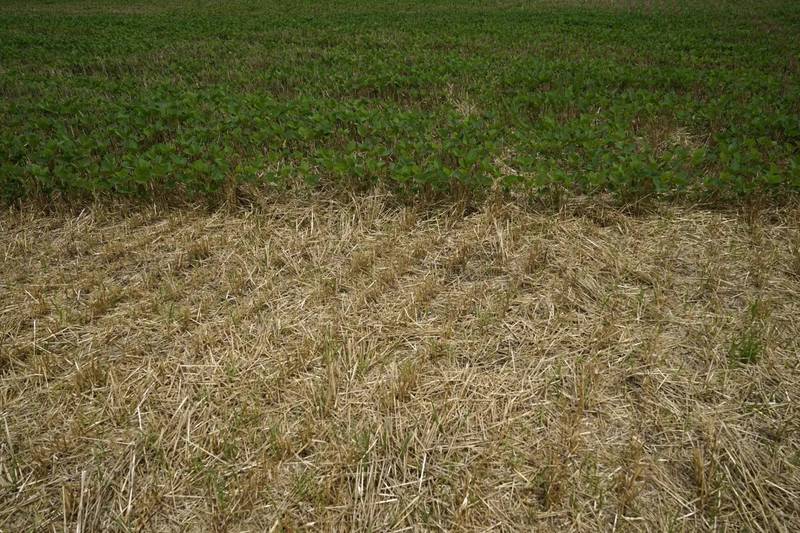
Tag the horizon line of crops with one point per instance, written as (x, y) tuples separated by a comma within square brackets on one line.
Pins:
[(188, 100)]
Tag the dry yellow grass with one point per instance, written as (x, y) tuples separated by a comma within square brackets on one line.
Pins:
[(354, 365)]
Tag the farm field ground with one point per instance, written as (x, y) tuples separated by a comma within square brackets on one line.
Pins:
[(194, 98), (279, 266), (335, 365)]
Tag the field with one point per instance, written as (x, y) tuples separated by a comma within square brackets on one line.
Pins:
[(192, 99), (359, 366), (386, 266)]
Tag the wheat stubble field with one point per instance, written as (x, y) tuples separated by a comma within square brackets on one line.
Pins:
[(399, 266), (352, 365)]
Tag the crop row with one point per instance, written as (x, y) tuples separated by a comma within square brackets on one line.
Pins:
[(183, 97)]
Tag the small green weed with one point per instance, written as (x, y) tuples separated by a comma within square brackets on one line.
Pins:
[(746, 350)]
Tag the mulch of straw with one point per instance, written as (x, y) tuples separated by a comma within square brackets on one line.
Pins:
[(352, 364)]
